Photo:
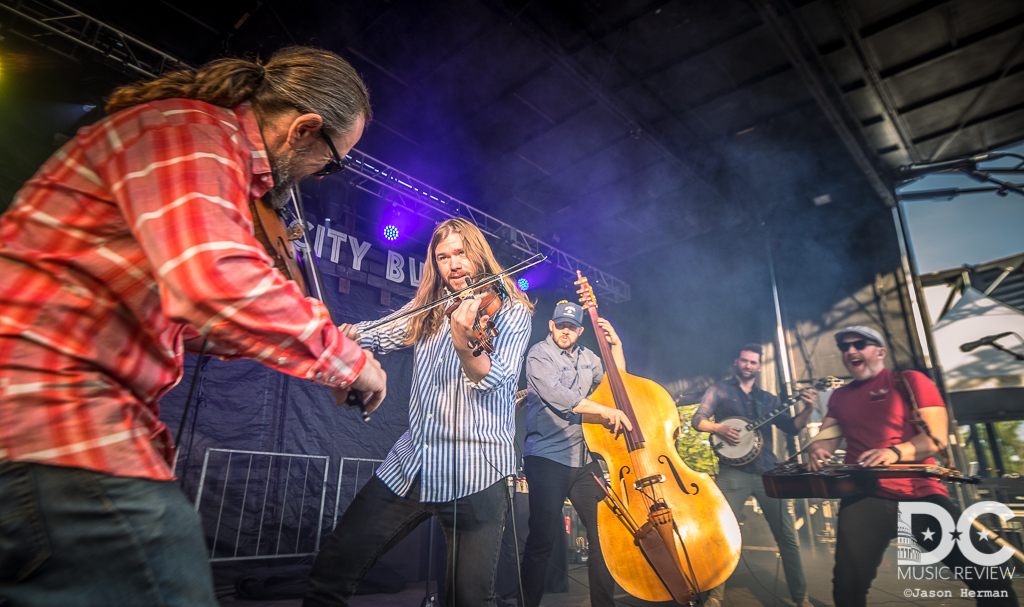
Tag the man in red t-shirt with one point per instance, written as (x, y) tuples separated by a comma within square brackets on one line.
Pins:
[(878, 424)]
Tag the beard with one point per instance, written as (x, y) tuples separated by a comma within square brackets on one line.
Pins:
[(283, 169), (744, 373)]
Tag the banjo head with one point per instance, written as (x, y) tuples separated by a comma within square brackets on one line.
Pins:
[(746, 451)]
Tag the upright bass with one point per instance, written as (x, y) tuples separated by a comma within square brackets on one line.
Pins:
[(668, 532)]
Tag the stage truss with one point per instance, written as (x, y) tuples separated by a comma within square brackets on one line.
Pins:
[(69, 32)]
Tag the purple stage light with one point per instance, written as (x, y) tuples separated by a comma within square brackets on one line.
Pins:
[(390, 232), (524, 285)]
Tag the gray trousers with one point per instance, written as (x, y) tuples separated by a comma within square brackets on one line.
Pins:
[(737, 487)]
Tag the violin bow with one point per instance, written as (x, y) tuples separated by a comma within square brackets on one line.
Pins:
[(519, 267)]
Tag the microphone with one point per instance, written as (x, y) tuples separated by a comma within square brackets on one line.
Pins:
[(984, 341), (910, 171)]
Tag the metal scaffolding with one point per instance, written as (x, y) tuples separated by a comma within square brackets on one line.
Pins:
[(375, 177), (69, 32)]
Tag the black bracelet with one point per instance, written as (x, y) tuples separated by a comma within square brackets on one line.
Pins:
[(899, 456)]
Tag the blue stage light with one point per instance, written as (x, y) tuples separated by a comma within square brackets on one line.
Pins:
[(524, 285), (390, 232)]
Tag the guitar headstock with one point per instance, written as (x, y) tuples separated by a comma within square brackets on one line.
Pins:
[(827, 383), (585, 291)]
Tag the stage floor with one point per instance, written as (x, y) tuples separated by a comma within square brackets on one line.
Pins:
[(754, 584)]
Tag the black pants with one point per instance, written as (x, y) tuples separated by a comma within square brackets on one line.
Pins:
[(550, 483), (378, 519), (866, 526)]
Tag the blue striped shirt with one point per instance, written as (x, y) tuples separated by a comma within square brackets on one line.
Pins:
[(461, 434)]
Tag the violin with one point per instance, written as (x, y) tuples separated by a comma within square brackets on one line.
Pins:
[(277, 239), (492, 295)]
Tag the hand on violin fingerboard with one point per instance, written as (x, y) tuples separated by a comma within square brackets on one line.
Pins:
[(463, 319)]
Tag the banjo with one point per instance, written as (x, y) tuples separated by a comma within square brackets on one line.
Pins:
[(751, 440)]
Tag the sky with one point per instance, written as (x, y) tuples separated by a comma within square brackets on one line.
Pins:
[(970, 228), (966, 230)]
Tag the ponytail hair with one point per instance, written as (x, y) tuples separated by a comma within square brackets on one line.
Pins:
[(311, 80)]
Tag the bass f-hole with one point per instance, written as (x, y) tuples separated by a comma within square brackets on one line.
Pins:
[(675, 473)]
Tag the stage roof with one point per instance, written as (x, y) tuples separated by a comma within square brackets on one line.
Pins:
[(615, 129)]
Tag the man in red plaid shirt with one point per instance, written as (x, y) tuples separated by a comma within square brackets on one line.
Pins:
[(132, 243)]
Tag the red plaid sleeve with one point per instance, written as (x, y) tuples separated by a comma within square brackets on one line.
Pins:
[(184, 190)]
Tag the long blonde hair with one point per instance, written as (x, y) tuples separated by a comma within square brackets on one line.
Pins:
[(308, 79), (432, 284)]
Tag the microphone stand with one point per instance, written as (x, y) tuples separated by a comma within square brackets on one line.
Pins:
[(965, 166), (1008, 351), (1003, 185), (429, 598)]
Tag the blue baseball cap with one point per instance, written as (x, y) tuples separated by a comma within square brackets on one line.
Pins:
[(566, 311)]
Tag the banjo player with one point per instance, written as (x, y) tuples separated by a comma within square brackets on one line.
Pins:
[(739, 397)]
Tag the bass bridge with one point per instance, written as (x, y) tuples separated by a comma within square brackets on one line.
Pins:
[(642, 483)]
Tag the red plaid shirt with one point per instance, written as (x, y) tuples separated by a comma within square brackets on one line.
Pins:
[(135, 230)]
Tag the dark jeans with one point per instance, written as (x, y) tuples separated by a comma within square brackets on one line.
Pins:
[(74, 537), (378, 519), (737, 486), (866, 526), (550, 483)]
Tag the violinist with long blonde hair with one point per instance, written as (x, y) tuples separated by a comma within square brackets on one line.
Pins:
[(455, 460)]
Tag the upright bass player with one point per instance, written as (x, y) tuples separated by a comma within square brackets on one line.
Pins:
[(667, 531), (560, 375)]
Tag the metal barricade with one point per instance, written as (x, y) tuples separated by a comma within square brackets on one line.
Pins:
[(260, 504), (353, 472)]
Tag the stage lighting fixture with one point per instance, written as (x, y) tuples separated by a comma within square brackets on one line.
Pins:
[(390, 232), (524, 285)]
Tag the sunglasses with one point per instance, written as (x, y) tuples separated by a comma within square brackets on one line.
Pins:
[(335, 164), (860, 344)]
